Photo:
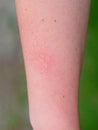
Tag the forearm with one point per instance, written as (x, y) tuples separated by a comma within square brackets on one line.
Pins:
[(53, 36)]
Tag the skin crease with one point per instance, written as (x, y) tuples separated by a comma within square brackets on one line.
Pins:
[(53, 34)]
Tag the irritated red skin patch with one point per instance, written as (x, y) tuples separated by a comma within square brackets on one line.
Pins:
[(45, 62), (42, 59)]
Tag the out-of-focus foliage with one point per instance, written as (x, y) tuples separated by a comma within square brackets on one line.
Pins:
[(13, 93), (89, 80)]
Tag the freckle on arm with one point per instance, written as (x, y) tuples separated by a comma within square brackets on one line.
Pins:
[(43, 20), (55, 20)]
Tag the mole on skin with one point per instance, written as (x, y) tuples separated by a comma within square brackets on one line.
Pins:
[(42, 20), (25, 9), (55, 20), (63, 96)]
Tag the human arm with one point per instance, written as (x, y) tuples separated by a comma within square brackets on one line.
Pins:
[(53, 35)]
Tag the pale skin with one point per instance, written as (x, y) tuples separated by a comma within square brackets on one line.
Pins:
[(53, 34)]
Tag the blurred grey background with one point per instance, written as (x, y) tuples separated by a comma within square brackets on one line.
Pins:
[(13, 95), (13, 92)]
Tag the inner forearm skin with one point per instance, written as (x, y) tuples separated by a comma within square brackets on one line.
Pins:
[(53, 36)]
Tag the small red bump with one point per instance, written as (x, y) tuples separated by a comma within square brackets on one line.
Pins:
[(25, 9), (76, 49), (55, 20), (42, 20)]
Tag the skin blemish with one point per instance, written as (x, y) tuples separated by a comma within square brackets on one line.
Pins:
[(42, 20), (42, 59), (25, 9), (55, 20), (76, 48), (63, 96)]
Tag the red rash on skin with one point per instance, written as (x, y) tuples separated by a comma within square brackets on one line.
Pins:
[(52, 64), (42, 59)]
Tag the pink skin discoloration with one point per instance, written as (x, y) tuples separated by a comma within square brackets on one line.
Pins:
[(42, 59), (52, 34)]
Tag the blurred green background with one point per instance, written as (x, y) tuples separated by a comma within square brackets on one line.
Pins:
[(13, 93), (89, 78)]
